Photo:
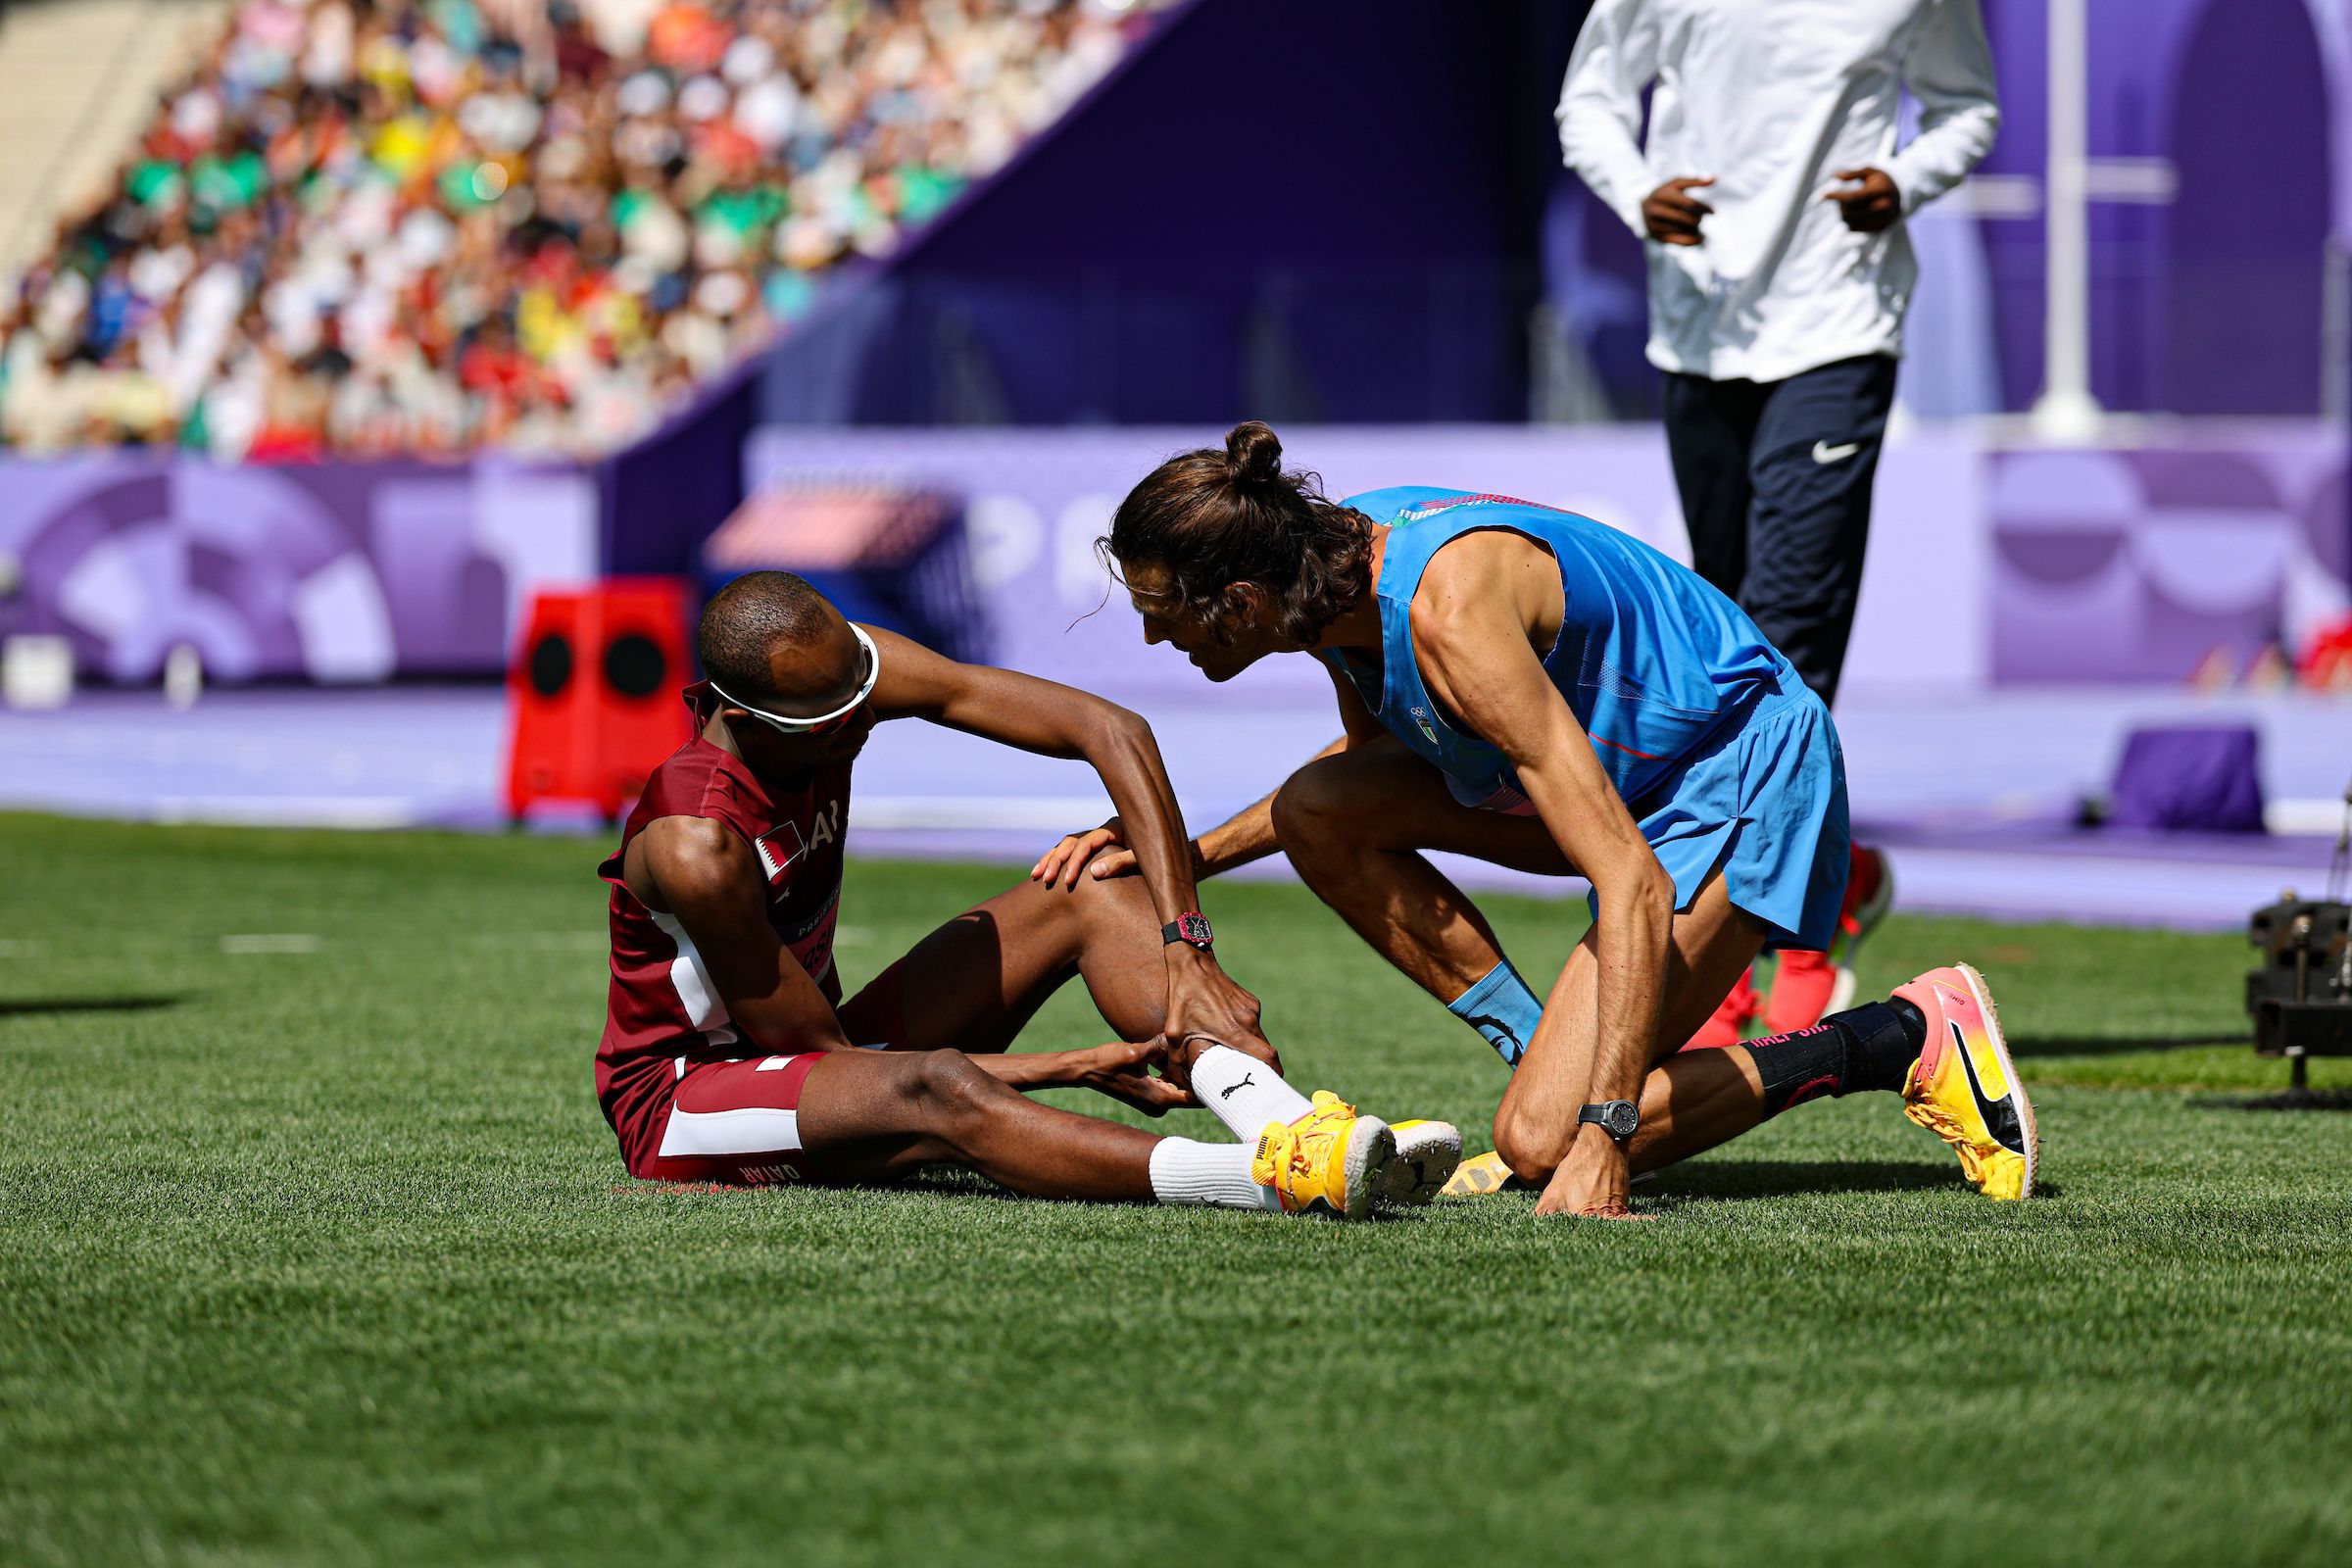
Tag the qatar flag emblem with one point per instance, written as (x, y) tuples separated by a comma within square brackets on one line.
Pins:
[(778, 847)]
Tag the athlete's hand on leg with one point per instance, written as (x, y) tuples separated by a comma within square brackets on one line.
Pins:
[(1593, 1182), (1119, 861), (1064, 862), (1207, 1007), (1098, 852), (1122, 1070)]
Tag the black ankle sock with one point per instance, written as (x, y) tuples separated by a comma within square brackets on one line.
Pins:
[(1870, 1047), (1884, 1043)]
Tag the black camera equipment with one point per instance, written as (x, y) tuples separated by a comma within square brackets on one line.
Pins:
[(2300, 991)]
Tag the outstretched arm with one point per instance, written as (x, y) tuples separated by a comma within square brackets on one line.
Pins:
[(1248, 835), (1055, 721), (704, 874)]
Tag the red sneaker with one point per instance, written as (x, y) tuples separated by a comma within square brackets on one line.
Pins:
[(1869, 895), (1808, 986), (1733, 1014), (1801, 988)]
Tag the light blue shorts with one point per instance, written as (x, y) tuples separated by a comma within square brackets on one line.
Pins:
[(1765, 800)]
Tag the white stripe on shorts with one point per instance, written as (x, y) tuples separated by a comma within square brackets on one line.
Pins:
[(748, 1130)]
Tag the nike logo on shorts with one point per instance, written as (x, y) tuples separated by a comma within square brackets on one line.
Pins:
[(1825, 453)]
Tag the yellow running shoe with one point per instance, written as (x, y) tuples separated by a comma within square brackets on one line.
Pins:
[(1427, 1153), (1330, 1159), (1964, 1088)]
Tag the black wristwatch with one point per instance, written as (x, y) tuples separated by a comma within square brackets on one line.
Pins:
[(1619, 1118), (1188, 928)]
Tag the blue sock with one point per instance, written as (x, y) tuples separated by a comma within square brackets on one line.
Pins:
[(1503, 1009)]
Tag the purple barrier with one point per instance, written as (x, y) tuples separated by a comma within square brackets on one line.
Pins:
[(661, 497), (2153, 565), (1035, 501), (1064, 291), (2202, 301), (1987, 566), (329, 573)]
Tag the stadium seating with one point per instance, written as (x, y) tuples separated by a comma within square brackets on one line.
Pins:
[(370, 226)]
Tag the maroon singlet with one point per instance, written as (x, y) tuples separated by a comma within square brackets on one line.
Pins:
[(669, 1043)]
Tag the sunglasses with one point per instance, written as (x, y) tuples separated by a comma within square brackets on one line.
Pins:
[(820, 723)]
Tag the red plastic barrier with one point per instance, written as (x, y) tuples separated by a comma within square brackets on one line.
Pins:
[(591, 693)]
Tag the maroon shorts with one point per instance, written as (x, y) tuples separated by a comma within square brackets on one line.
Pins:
[(735, 1122), (732, 1122)]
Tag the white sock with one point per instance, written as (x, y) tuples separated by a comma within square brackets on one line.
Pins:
[(1185, 1172), (1244, 1091)]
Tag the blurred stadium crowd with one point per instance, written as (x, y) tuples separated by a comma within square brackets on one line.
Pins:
[(375, 227)]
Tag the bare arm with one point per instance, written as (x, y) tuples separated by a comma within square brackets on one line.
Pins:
[(1248, 835), (1054, 720), (1472, 623), (702, 872), (705, 874)]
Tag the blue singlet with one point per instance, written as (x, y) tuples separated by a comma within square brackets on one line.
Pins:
[(1721, 752)]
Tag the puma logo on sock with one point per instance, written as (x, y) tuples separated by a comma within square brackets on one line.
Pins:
[(1248, 1079)]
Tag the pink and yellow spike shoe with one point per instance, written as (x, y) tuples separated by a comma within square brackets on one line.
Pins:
[(1964, 1088)]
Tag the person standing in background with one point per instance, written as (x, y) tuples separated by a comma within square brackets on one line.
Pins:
[(1773, 200)]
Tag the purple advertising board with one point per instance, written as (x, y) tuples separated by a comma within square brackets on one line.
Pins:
[(2166, 563), (1037, 501), (327, 573), (1988, 564)]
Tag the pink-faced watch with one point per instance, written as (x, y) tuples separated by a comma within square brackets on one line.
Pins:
[(1190, 928)]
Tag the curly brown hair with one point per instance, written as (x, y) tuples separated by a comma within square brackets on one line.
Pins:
[(1216, 519)]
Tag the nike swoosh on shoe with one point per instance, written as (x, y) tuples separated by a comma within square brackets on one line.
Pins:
[(2000, 1116)]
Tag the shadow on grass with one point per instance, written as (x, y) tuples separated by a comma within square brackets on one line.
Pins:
[(1744, 1179), (1778, 1178), (47, 1004), (2119, 1045), (2283, 1100)]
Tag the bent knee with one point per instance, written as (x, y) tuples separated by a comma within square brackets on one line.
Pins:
[(1111, 900), (1532, 1148), (1315, 809)]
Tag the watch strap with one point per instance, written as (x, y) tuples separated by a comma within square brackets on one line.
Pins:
[(1190, 928), (1604, 1114)]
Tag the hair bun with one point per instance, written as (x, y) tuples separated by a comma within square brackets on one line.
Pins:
[(1254, 451)]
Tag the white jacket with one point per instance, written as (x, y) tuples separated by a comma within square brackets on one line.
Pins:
[(1770, 97)]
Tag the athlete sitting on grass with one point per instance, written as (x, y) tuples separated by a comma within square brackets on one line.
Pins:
[(727, 1053), (1529, 687)]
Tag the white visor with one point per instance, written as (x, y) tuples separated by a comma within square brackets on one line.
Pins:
[(801, 724)]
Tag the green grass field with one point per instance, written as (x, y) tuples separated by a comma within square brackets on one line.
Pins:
[(318, 1252)]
